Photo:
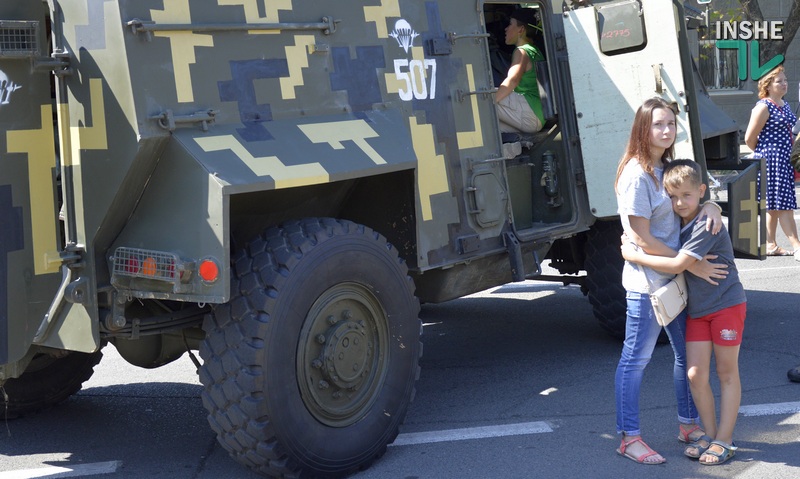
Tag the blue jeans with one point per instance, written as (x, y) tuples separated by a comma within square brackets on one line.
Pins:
[(641, 334)]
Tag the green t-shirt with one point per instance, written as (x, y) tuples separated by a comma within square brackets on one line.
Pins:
[(528, 85)]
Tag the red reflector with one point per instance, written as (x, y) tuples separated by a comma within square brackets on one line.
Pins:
[(208, 270), (132, 265)]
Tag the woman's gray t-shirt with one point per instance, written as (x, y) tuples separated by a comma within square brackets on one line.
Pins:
[(639, 195)]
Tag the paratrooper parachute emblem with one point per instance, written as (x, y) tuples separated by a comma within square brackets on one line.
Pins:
[(404, 34)]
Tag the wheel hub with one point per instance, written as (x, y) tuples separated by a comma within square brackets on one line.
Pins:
[(342, 351), (346, 354)]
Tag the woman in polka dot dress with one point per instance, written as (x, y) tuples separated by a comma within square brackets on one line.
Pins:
[(769, 134)]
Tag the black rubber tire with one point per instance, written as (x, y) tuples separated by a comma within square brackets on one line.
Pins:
[(603, 266), (307, 299), (49, 380)]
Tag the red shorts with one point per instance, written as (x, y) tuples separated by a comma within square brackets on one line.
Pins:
[(724, 327)]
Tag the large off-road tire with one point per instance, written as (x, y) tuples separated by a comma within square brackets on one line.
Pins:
[(604, 276), (49, 380), (310, 368)]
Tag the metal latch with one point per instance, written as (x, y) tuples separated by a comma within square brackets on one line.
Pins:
[(170, 122)]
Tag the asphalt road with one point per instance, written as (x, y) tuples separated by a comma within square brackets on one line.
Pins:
[(517, 382)]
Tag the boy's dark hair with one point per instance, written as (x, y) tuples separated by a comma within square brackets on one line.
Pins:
[(678, 172), (527, 17)]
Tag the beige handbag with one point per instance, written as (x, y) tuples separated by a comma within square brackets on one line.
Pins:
[(669, 300)]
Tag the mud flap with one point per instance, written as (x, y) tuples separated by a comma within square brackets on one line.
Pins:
[(748, 234)]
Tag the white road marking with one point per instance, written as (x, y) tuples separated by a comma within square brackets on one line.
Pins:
[(57, 472), (770, 409), (758, 270), (472, 433), (540, 427)]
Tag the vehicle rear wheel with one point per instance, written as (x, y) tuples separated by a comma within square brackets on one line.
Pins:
[(48, 380), (310, 368), (604, 276)]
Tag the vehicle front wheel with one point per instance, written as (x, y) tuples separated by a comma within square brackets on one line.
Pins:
[(311, 366), (48, 380)]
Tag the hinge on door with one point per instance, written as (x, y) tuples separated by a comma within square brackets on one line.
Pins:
[(72, 256), (561, 43), (580, 177)]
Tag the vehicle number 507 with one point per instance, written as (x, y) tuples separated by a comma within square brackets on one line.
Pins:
[(414, 74)]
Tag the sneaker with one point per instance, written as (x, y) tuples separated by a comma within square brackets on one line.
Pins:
[(794, 374)]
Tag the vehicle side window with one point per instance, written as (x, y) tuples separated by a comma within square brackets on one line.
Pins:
[(621, 27)]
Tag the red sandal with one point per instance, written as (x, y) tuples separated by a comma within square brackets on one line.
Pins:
[(641, 459), (685, 435)]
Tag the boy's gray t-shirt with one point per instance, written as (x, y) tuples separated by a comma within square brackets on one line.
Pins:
[(705, 298), (639, 195)]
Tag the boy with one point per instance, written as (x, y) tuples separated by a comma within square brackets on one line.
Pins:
[(716, 313)]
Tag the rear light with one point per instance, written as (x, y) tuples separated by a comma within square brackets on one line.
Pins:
[(149, 266), (165, 271), (143, 263), (208, 270), (131, 265)]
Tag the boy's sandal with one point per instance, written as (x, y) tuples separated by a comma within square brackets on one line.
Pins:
[(695, 449), (685, 435), (778, 251), (728, 451), (641, 459)]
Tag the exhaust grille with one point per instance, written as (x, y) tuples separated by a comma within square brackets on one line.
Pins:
[(19, 39)]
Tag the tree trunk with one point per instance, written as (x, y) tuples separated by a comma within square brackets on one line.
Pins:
[(752, 11)]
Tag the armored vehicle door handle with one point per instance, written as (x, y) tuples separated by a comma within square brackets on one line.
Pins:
[(327, 26), (657, 73), (453, 36), (461, 95)]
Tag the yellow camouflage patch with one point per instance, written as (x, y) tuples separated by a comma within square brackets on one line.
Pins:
[(387, 9), (748, 230), (92, 137), (284, 176), (334, 133), (251, 12), (38, 144), (431, 170), (297, 58), (182, 45), (472, 139)]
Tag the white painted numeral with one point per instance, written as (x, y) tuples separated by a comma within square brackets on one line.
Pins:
[(414, 78)]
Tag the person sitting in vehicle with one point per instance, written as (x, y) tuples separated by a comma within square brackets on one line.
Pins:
[(518, 103)]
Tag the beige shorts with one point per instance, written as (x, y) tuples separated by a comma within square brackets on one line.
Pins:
[(516, 116)]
